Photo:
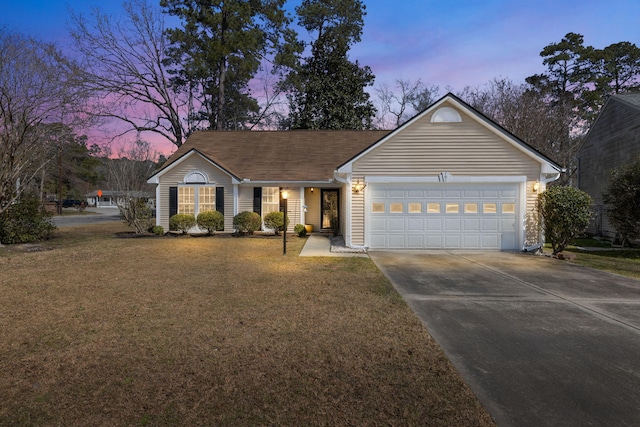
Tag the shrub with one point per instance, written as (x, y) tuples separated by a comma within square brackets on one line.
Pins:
[(300, 230), (136, 213), (566, 212), (623, 201), (182, 222), (157, 229), (26, 221), (275, 221), (247, 222), (211, 221)]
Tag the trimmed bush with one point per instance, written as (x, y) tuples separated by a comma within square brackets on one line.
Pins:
[(26, 221), (211, 221), (182, 222), (623, 202), (300, 230), (566, 212), (157, 229), (275, 221), (247, 222)]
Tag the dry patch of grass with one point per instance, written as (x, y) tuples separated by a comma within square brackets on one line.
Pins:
[(213, 331)]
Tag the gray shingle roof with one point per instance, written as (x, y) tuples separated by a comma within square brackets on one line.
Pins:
[(631, 98)]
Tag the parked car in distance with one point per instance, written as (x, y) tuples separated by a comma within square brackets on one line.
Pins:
[(71, 203)]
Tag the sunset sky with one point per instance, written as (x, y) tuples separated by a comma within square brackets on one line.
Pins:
[(452, 43)]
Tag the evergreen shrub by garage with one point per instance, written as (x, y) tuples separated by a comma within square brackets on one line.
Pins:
[(26, 221), (182, 222), (211, 221), (566, 212), (247, 222), (275, 221)]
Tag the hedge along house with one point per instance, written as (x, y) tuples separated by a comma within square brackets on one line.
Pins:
[(447, 179)]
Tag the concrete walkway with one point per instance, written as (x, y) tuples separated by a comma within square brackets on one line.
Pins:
[(318, 245)]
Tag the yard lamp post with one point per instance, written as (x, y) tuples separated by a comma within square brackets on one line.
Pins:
[(285, 195)]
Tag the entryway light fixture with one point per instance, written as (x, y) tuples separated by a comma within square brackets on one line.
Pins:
[(312, 189), (358, 187), (536, 187)]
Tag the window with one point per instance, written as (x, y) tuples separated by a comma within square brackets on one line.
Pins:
[(433, 207), (377, 207), (470, 208), (196, 194), (489, 208), (415, 207), (508, 208), (270, 200), (453, 208), (396, 208), (206, 199), (186, 200)]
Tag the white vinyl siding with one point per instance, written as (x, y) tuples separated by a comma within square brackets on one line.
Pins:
[(425, 149), (175, 176)]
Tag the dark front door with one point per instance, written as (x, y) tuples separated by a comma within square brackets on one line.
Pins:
[(330, 209)]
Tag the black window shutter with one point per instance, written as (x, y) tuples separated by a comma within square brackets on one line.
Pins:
[(173, 201), (257, 200), (220, 199), (220, 202)]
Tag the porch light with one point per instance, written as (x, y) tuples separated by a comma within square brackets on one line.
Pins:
[(536, 187), (312, 189), (358, 187)]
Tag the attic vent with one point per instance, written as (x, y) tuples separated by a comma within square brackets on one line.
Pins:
[(446, 115), (196, 177)]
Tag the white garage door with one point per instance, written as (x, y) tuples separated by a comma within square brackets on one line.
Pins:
[(442, 216)]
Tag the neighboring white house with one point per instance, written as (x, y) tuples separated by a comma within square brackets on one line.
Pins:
[(449, 178)]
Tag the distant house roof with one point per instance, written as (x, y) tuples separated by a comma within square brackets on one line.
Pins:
[(631, 98), (296, 155)]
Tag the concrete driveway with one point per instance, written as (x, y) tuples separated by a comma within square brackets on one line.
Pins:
[(541, 342)]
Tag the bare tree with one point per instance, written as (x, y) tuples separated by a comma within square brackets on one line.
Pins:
[(35, 90), (125, 72), (399, 103), (529, 115), (127, 176)]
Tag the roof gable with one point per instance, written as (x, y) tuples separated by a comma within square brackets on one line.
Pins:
[(549, 166)]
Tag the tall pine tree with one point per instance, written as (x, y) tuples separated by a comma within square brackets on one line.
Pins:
[(326, 90)]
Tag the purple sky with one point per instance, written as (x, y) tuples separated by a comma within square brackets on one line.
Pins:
[(452, 43)]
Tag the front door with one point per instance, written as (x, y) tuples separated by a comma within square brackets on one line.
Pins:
[(330, 210)]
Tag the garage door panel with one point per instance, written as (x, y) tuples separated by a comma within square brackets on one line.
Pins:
[(415, 224), (471, 224), (490, 241), (397, 241), (452, 224), (471, 241), (378, 224), (434, 241), (415, 241), (396, 224), (434, 224), (453, 241), (442, 216), (489, 224)]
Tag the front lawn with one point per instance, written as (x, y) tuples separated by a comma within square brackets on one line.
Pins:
[(101, 330)]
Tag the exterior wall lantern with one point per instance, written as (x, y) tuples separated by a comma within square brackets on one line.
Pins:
[(358, 187), (536, 187)]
